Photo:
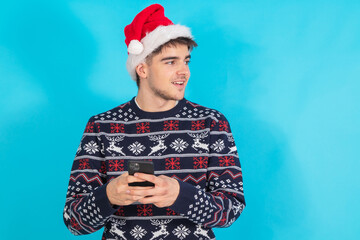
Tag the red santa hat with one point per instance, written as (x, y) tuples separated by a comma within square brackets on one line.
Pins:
[(149, 30)]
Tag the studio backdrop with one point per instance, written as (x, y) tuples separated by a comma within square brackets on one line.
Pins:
[(285, 73)]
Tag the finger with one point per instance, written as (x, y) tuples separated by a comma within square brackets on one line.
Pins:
[(136, 198), (131, 179), (149, 177), (131, 197), (139, 188), (149, 200), (144, 193)]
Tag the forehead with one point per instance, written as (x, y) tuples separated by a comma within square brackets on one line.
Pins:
[(178, 50)]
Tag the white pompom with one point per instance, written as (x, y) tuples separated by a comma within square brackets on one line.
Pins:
[(135, 47)]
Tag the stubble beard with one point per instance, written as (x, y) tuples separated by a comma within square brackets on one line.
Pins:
[(165, 95)]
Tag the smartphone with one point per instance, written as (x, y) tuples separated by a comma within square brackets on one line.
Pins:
[(142, 167)]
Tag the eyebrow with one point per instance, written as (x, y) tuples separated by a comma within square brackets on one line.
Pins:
[(173, 58)]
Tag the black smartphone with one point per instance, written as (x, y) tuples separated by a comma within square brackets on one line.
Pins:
[(142, 167)]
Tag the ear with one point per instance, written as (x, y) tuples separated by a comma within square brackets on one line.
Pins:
[(142, 70)]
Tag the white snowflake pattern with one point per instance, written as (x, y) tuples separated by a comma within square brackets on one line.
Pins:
[(136, 148), (179, 145), (218, 145), (91, 147), (138, 232), (181, 232)]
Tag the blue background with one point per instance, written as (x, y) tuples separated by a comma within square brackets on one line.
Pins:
[(285, 73)]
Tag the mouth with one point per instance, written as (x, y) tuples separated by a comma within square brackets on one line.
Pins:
[(178, 83)]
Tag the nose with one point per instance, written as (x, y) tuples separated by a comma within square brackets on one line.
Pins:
[(184, 70)]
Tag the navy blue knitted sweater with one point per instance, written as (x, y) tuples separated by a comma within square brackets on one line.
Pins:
[(190, 143)]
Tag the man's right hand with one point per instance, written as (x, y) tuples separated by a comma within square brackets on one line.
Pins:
[(118, 190)]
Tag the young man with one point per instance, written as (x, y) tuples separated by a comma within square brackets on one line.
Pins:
[(197, 179)]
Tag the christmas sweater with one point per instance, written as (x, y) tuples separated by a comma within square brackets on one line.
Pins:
[(190, 143)]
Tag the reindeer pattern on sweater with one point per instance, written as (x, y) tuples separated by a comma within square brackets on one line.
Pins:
[(190, 143)]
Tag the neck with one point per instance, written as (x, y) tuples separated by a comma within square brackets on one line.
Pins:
[(153, 104)]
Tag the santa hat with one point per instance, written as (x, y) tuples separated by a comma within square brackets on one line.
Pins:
[(149, 30)]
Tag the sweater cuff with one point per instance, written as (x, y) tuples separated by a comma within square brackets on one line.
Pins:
[(185, 198), (102, 202)]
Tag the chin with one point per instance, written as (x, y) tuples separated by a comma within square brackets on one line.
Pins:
[(178, 98), (174, 96)]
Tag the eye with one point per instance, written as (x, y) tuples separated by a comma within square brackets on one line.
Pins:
[(170, 62), (187, 62)]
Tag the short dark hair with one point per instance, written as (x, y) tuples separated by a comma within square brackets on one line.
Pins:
[(171, 43)]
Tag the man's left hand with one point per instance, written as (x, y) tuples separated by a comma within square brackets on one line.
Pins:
[(163, 194)]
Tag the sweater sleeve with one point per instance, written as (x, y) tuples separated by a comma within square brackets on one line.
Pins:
[(222, 202), (87, 207)]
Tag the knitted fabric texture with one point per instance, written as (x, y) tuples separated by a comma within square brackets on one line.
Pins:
[(190, 143)]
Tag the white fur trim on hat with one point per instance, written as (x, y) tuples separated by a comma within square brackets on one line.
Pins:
[(153, 40), (135, 47)]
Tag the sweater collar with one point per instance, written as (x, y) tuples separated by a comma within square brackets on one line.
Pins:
[(171, 112)]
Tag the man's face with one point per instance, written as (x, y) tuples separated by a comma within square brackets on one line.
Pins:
[(168, 73)]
